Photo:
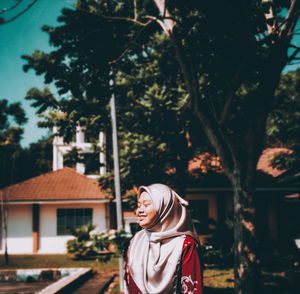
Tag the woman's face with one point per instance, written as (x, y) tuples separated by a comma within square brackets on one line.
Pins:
[(145, 211)]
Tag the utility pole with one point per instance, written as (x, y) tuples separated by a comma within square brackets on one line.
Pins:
[(116, 173)]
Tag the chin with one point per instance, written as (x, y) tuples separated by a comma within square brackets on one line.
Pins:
[(143, 224)]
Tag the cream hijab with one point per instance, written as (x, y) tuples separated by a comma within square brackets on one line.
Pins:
[(154, 253)]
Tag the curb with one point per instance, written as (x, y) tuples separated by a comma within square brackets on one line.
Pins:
[(69, 283), (106, 285)]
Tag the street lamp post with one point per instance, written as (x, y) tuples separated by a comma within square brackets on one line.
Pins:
[(116, 173)]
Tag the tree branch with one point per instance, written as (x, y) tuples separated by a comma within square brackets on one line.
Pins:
[(200, 106), (128, 19), (270, 18), (294, 55), (229, 101), (290, 20), (11, 7), (129, 46), (20, 13), (167, 23), (135, 9)]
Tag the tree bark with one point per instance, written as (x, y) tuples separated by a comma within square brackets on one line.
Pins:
[(4, 226), (247, 264)]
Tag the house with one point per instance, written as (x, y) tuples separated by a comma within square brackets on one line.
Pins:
[(41, 210), (277, 203)]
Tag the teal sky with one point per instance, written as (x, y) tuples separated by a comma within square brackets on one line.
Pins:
[(23, 36)]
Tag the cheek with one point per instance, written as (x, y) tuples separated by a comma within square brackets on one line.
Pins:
[(152, 215)]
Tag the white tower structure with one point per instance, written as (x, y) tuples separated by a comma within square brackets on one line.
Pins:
[(60, 148)]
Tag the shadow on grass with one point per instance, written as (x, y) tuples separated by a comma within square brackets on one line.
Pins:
[(208, 290), (287, 284), (272, 285)]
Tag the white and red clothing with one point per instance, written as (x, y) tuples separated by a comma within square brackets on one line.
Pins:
[(164, 257), (188, 277)]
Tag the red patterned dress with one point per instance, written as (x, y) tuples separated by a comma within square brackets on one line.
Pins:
[(189, 276)]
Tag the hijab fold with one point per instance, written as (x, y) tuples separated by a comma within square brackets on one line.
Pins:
[(154, 253)]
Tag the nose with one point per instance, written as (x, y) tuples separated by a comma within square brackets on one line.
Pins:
[(139, 210)]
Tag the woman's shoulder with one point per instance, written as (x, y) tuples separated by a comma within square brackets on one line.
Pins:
[(190, 242), (189, 239)]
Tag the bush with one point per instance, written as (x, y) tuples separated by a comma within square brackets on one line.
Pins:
[(82, 246), (87, 245), (219, 248), (121, 240)]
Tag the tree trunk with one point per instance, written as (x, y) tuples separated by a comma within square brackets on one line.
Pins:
[(247, 264), (4, 227), (6, 257)]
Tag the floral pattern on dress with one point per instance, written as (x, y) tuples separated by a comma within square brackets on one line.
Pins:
[(188, 285)]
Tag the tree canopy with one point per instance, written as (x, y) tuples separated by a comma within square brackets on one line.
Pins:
[(155, 121)]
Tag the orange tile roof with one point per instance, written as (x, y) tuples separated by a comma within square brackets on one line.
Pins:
[(63, 184), (264, 162), (207, 161)]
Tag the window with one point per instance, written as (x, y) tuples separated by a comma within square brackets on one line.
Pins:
[(68, 218)]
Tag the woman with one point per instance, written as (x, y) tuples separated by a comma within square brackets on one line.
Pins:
[(164, 256)]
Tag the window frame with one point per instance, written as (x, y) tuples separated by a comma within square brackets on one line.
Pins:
[(68, 218)]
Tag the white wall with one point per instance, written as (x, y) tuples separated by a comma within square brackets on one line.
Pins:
[(19, 228), (49, 241)]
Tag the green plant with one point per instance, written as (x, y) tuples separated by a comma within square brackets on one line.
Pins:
[(82, 246), (101, 241), (121, 240)]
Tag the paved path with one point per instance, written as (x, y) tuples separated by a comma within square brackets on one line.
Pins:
[(22, 288), (95, 284)]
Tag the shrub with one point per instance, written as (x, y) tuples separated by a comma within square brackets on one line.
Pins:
[(82, 246)]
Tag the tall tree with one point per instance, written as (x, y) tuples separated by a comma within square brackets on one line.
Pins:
[(226, 56), (12, 116), (249, 43)]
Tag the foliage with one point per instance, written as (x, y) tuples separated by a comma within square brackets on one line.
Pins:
[(82, 245), (88, 244), (35, 159), (17, 163), (152, 141), (101, 241), (130, 198), (121, 240), (284, 124), (219, 248), (12, 117)]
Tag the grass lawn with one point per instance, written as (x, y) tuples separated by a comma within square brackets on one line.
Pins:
[(216, 280), (56, 261), (221, 281)]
